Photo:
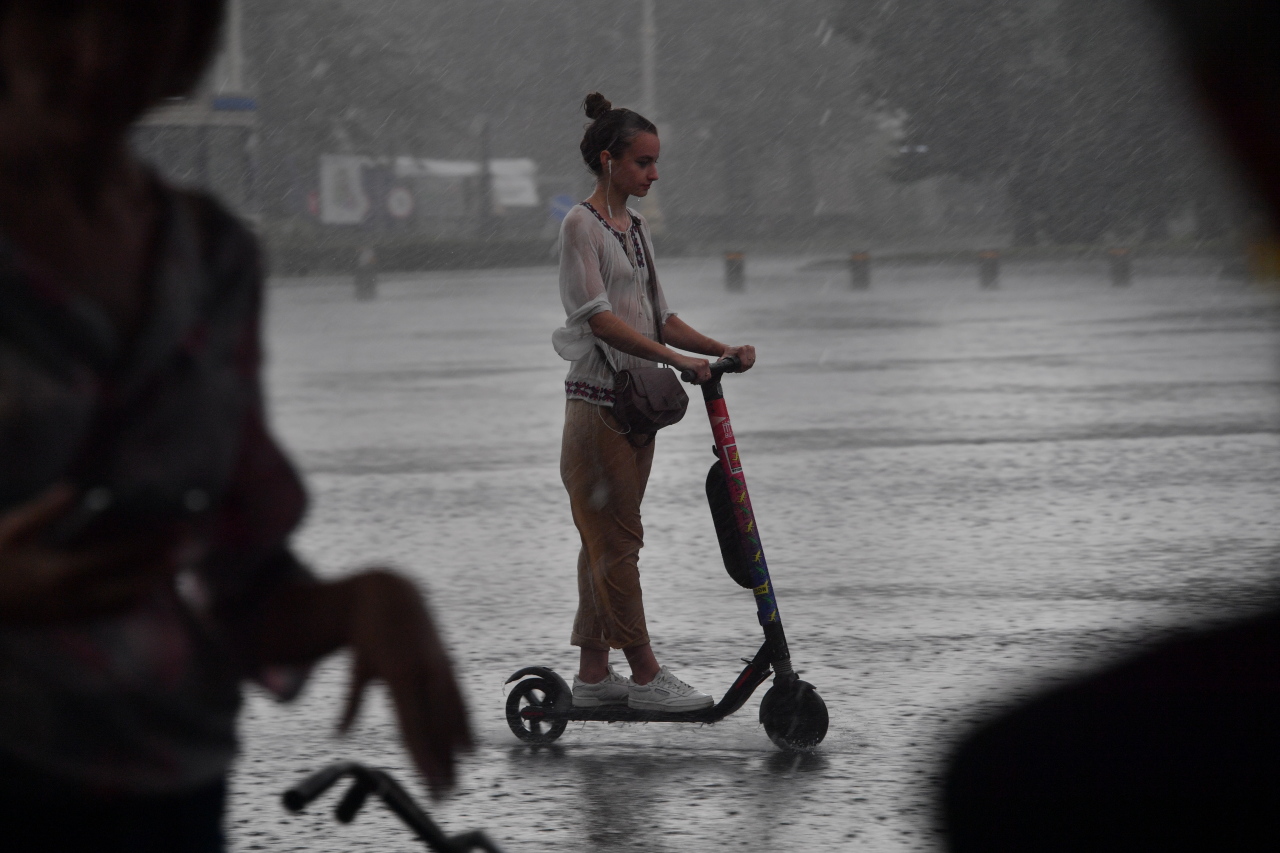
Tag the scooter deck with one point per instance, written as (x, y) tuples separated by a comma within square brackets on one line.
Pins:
[(627, 714), (734, 698)]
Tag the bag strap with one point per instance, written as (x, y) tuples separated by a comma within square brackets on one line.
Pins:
[(653, 300), (653, 286)]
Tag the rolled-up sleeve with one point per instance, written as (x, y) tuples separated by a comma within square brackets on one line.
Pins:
[(582, 289)]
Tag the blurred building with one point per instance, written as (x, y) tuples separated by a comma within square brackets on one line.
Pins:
[(763, 135), (348, 121), (210, 139)]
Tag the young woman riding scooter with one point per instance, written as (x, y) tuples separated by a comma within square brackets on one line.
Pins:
[(618, 319)]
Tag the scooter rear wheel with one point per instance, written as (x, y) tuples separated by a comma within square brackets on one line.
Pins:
[(794, 716), (538, 694)]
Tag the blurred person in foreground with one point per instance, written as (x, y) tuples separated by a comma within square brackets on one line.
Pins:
[(1177, 748), (145, 510)]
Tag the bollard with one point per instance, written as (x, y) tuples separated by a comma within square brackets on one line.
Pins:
[(860, 270), (366, 274), (989, 269), (735, 272), (1121, 267)]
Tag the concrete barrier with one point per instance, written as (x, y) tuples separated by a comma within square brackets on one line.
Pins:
[(989, 269), (860, 271), (1121, 267), (735, 272)]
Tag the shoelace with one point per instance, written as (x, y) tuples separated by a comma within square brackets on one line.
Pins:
[(675, 682)]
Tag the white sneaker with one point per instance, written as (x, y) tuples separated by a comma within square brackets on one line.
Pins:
[(667, 693), (613, 690)]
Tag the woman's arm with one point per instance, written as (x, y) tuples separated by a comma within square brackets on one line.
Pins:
[(609, 328), (681, 334)]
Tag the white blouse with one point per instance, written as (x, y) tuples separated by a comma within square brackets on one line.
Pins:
[(602, 269)]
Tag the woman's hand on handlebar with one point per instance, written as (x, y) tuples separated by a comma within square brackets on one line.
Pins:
[(744, 354), (699, 367)]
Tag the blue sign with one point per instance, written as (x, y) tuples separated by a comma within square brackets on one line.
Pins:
[(560, 207), (234, 104)]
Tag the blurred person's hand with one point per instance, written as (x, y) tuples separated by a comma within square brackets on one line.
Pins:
[(41, 583), (393, 638), (381, 617)]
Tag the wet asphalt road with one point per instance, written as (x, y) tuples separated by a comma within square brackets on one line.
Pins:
[(964, 495)]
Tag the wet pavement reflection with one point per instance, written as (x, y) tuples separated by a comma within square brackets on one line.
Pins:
[(965, 495)]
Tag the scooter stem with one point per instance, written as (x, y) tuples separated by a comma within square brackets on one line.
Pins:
[(726, 449)]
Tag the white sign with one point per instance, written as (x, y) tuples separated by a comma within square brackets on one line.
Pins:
[(416, 167), (400, 203), (343, 200), (515, 181)]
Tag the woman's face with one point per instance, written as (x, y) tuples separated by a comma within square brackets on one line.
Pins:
[(636, 170)]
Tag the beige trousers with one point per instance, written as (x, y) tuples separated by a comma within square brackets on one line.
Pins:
[(605, 477)]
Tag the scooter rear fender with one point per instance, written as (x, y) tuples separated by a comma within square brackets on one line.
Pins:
[(542, 672)]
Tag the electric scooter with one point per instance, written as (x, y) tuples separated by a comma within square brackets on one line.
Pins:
[(794, 716)]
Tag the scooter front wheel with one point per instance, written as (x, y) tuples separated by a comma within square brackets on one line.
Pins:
[(526, 704), (794, 716)]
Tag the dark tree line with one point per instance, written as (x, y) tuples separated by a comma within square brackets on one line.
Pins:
[(1069, 102)]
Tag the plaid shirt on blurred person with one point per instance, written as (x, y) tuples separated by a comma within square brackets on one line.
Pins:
[(145, 701)]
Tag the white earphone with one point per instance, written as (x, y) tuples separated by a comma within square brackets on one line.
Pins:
[(609, 187)]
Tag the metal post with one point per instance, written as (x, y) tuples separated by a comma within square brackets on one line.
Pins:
[(735, 272), (860, 271), (649, 63), (1121, 267), (487, 218), (235, 47), (366, 277), (650, 205), (989, 269)]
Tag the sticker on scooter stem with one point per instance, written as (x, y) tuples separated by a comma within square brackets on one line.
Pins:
[(735, 461)]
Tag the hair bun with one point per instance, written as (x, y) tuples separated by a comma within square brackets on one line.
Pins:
[(596, 105)]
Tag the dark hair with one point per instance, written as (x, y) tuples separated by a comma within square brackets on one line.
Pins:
[(610, 130), (139, 75)]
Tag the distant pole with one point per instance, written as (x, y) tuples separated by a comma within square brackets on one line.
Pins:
[(486, 219), (1121, 267), (235, 47), (860, 271), (366, 277), (649, 63), (989, 269), (649, 205)]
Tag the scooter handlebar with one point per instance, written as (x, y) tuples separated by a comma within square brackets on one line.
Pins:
[(729, 364), (300, 795)]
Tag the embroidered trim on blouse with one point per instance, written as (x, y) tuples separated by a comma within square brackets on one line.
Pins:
[(634, 231), (578, 390)]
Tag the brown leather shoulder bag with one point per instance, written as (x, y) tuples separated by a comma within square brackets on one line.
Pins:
[(646, 399)]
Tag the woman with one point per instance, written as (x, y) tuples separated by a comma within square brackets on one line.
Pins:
[(145, 510), (605, 252)]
